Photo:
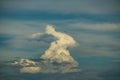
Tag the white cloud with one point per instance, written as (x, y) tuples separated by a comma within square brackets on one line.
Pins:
[(58, 49), (36, 35), (57, 52), (30, 70)]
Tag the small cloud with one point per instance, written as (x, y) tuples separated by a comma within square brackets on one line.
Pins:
[(36, 35), (30, 69)]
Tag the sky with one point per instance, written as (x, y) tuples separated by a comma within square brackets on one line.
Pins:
[(94, 24)]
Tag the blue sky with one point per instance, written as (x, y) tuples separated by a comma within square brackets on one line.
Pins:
[(94, 24)]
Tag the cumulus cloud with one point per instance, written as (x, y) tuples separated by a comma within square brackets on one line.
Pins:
[(59, 47), (57, 52), (28, 66)]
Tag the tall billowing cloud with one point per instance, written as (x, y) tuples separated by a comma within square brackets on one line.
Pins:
[(56, 58), (58, 49)]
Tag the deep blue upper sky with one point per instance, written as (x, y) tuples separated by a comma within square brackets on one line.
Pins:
[(93, 10)]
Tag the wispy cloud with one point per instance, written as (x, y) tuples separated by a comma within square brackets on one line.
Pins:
[(96, 26)]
